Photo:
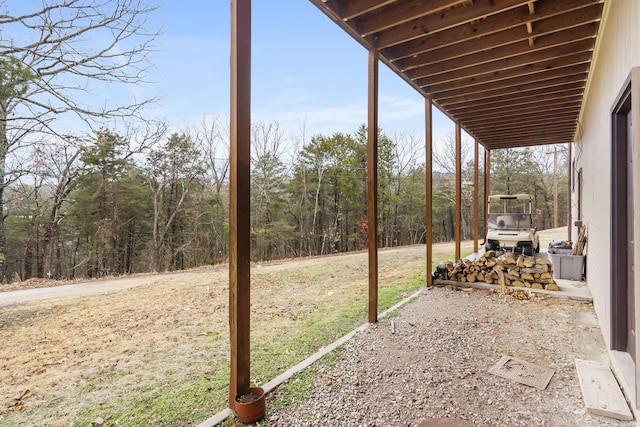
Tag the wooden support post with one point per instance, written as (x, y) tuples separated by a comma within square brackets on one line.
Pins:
[(429, 188), (458, 189), (569, 175), (555, 187), (476, 190), (239, 198), (487, 188), (372, 185)]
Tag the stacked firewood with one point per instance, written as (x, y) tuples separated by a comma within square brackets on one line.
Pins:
[(504, 269)]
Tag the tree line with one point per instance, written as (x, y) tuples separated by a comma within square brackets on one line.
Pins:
[(121, 204), (124, 195)]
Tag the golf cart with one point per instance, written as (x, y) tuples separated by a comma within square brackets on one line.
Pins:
[(510, 225)]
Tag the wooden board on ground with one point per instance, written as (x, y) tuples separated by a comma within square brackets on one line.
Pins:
[(600, 390), (524, 372)]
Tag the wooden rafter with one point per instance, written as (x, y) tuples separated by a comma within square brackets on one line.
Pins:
[(484, 59), (529, 25)]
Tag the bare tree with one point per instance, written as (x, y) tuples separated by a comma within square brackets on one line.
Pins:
[(54, 56), (444, 158), (62, 170), (407, 153), (268, 145), (444, 154), (211, 136), (212, 139), (267, 149)]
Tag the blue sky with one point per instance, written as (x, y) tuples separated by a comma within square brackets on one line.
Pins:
[(305, 70)]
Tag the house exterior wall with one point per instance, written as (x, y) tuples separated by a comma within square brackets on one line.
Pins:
[(617, 53)]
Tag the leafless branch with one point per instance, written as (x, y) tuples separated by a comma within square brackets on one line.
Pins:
[(71, 47)]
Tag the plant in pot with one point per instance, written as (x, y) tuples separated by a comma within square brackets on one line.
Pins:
[(250, 406)]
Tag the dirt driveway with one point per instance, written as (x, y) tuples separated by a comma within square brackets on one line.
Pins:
[(39, 290), (21, 296)]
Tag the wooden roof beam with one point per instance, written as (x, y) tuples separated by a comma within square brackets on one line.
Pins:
[(500, 77), (481, 121), (497, 145), (510, 116), (485, 112), (475, 59), (529, 24), (512, 130), (571, 13), (453, 90), (447, 19), (526, 59), (529, 131), (557, 134), (511, 102), (557, 138), (491, 42), (524, 141), (541, 122), (353, 9), (521, 90), (386, 18)]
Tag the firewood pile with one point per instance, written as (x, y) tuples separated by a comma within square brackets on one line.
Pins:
[(501, 268)]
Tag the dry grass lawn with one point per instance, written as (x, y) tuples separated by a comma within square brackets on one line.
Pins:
[(157, 354)]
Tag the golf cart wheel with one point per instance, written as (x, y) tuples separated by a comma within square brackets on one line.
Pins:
[(527, 249)]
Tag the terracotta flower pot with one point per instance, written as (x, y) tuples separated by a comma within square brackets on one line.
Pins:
[(250, 406)]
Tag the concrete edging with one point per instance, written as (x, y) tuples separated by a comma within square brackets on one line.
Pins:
[(479, 285), (269, 386)]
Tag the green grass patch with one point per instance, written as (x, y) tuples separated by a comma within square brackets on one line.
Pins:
[(175, 400)]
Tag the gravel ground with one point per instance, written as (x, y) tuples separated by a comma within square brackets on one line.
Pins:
[(432, 358)]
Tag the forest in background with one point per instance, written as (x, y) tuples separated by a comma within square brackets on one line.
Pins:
[(129, 203), (125, 195)]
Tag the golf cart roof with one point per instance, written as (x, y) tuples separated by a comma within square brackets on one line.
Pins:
[(510, 197)]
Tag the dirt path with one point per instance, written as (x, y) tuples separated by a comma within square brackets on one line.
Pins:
[(73, 290), (21, 296), (41, 291)]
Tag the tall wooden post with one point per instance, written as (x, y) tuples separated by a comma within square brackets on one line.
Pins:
[(239, 197), (476, 190), (428, 166), (569, 176), (555, 187), (372, 185), (458, 189), (487, 188)]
